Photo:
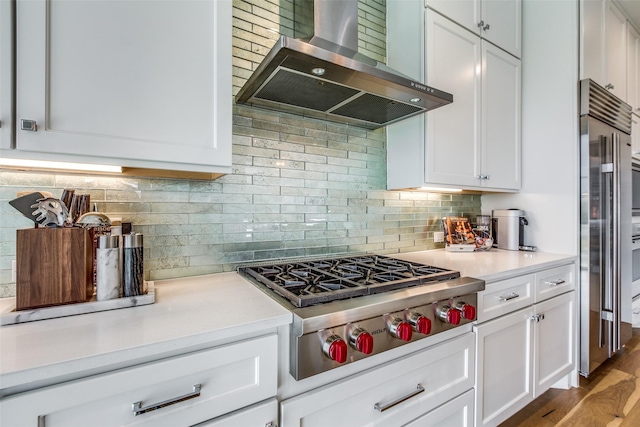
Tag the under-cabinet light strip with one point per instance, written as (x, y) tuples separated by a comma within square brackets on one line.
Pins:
[(39, 164)]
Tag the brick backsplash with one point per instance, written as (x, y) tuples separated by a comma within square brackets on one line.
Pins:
[(300, 187)]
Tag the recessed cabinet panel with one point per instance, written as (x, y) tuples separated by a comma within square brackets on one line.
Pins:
[(453, 64), (503, 24), (503, 367), (555, 344), (603, 40), (136, 81), (499, 21), (501, 110), (615, 50), (462, 12)]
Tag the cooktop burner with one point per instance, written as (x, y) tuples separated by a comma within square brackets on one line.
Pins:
[(315, 282)]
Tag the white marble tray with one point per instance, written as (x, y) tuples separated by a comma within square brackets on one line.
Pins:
[(9, 315)]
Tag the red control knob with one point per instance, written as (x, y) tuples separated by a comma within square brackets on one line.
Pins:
[(468, 311), (364, 343), (404, 331), (398, 328), (453, 317), (419, 322), (449, 315), (361, 340), (335, 348), (423, 325)]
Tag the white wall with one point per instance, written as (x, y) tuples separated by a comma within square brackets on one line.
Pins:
[(550, 126)]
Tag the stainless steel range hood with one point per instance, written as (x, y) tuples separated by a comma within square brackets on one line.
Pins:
[(320, 73)]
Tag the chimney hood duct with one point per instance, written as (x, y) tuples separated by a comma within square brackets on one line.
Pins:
[(320, 73)]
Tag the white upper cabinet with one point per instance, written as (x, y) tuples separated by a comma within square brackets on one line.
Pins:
[(633, 68), (603, 45), (6, 75), (472, 143), (499, 21), (138, 84)]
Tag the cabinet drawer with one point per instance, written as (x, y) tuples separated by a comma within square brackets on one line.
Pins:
[(260, 414), (231, 377), (555, 281), (443, 371), (505, 296)]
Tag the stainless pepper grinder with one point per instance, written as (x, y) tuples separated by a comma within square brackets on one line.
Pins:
[(132, 265)]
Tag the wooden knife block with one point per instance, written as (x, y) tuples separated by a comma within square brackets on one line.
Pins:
[(54, 266)]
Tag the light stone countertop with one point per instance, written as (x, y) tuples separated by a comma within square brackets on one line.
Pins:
[(492, 265), (190, 314)]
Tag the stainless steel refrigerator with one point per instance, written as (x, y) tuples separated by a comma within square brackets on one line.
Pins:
[(605, 225)]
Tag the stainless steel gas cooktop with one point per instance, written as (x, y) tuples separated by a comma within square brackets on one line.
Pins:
[(346, 309)]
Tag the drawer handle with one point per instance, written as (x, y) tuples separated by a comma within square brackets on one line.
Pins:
[(513, 295), (138, 409), (555, 282), (382, 408)]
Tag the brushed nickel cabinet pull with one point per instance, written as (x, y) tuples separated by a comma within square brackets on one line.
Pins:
[(513, 295), (137, 408), (555, 282), (28, 125), (381, 408)]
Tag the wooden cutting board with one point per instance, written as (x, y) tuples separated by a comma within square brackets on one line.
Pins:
[(53, 266)]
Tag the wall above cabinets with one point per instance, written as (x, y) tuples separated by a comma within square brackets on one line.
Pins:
[(152, 91), (475, 142)]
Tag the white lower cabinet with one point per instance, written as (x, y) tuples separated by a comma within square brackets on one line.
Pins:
[(393, 394), (523, 353), (177, 391)]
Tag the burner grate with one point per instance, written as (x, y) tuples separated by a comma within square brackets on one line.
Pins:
[(316, 282)]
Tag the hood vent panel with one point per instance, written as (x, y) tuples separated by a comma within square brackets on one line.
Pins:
[(291, 88), (354, 89), (376, 109)]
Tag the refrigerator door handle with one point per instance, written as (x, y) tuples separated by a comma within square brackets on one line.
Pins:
[(615, 282)]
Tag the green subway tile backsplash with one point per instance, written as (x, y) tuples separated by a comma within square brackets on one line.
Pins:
[(300, 187)]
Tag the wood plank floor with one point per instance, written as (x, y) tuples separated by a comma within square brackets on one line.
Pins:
[(609, 397)]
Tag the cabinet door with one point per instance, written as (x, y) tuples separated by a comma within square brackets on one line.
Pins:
[(504, 367), (554, 341), (453, 132), (6, 74), (135, 83), (501, 117), (503, 24), (615, 51), (592, 40), (455, 413), (462, 12), (633, 68)]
